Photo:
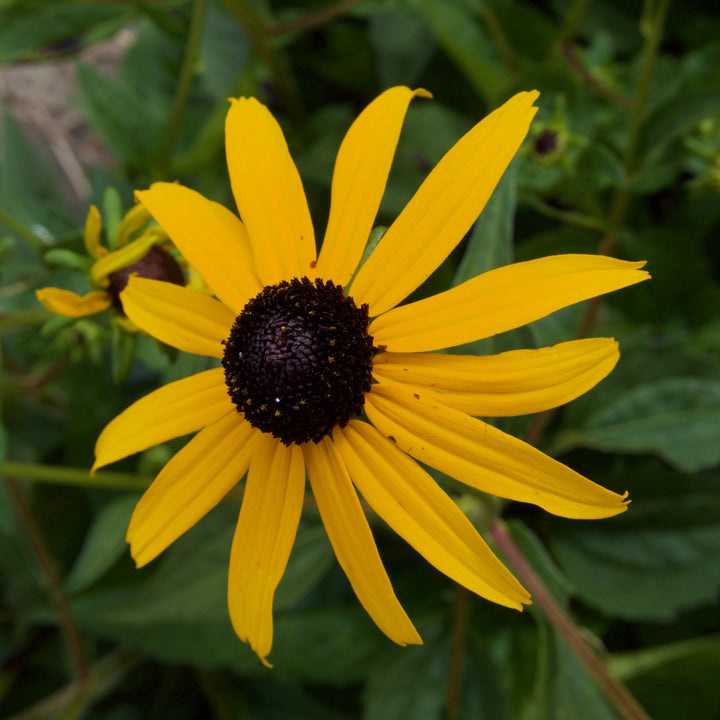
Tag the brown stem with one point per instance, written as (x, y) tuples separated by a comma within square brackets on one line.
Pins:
[(69, 627), (557, 616), (599, 87), (313, 20)]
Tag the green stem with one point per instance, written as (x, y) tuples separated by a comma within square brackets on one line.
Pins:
[(75, 476), (568, 217), (499, 37), (104, 675), (20, 230), (23, 318), (182, 92), (458, 640), (572, 22), (268, 52), (652, 25), (70, 631), (612, 688)]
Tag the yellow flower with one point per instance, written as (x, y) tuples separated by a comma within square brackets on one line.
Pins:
[(111, 270), (300, 337)]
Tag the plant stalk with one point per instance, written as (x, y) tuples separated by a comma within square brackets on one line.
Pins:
[(557, 616)]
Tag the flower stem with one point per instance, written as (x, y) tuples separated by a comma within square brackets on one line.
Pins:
[(458, 639), (75, 476), (616, 693), (69, 627), (182, 92)]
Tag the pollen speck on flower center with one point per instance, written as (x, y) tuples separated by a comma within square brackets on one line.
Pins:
[(298, 360)]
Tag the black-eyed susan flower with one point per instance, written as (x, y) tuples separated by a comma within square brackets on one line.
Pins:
[(137, 249), (325, 374)]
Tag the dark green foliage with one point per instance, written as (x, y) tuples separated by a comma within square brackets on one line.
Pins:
[(600, 171)]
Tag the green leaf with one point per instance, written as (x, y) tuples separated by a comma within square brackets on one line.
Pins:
[(27, 186), (491, 240), (414, 682), (563, 689), (490, 245), (104, 544), (120, 115), (430, 130), (541, 561), (656, 559), (224, 51), (403, 46), (177, 608), (410, 682), (677, 117), (33, 28), (676, 418), (674, 681), (311, 558), (465, 40)]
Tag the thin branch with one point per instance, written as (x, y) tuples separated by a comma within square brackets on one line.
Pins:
[(316, 19), (600, 88), (70, 631)]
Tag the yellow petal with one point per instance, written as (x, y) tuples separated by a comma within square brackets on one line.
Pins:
[(415, 507), (93, 228), (68, 304), (188, 320), (134, 219), (443, 209), (174, 410), (120, 259), (361, 172), (501, 299), (518, 382), (265, 533), (269, 193), (210, 238), (483, 457), (194, 481), (353, 542)]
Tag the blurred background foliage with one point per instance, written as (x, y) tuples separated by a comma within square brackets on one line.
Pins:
[(623, 158)]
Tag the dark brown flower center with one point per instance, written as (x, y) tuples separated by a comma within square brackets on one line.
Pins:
[(156, 264), (298, 360)]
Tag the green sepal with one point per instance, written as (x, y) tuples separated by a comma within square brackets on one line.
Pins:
[(68, 259)]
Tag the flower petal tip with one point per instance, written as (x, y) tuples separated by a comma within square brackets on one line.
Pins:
[(423, 93)]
